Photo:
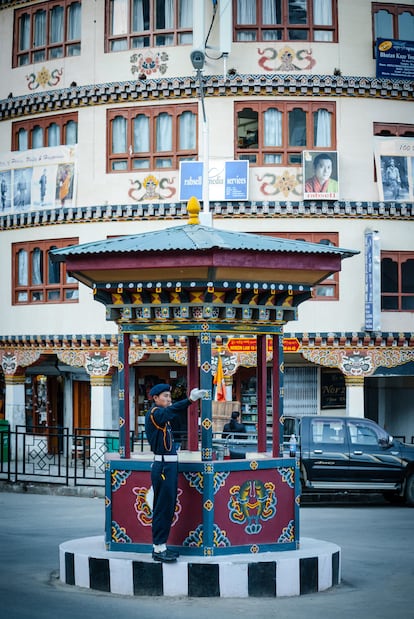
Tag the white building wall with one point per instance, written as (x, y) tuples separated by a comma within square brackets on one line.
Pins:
[(355, 116)]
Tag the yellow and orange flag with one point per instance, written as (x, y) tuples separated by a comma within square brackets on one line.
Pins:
[(220, 395)]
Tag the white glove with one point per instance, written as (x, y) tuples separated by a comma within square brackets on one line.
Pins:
[(197, 394)]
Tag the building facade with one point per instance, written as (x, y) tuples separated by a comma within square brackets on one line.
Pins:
[(299, 113)]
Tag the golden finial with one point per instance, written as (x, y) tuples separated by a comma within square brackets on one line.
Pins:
[(193, 208)]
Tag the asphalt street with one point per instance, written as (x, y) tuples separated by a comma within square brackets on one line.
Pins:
[(377, 542)]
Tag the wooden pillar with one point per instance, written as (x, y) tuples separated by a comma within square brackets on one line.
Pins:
[(123, 395), (277, 396), (193, 380), (261, 387)]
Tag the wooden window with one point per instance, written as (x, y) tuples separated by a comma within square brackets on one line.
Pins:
[(328, 289), (276, 133), (52, 130), (36, 279), (394, 129), (132, 24), (393, 21), (46, 31), (285, 20), (151, 138), (397, 281)]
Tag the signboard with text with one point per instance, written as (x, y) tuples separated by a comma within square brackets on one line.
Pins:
[(395, 59), (227, 180), (248, 344), (372, 281), (37, 179)]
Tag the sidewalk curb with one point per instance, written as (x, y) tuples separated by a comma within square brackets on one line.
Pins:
[(94, 492)]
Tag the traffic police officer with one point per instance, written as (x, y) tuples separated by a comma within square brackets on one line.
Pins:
[(164, 471)]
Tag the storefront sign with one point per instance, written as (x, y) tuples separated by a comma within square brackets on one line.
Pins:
[(333, 390), (395, 58), (290, 344)]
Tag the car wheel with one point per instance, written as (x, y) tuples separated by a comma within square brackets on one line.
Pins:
[(409, 490)]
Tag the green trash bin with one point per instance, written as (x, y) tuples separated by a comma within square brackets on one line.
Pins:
[(4, 440)]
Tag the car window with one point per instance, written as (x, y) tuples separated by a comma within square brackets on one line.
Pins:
[(328, 431), (362, 434)]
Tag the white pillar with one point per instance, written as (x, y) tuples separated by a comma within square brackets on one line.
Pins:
[(101, 402), (354, 396), (101, 417), (15, 406), (15, 401)]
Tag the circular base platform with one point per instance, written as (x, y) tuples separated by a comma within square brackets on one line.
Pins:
[(316, 566)]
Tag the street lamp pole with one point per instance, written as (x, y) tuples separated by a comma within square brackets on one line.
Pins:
[(197, 59)]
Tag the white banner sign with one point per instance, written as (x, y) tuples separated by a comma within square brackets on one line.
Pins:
[(37, 179)]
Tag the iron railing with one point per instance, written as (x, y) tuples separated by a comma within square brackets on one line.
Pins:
[(56, 456)]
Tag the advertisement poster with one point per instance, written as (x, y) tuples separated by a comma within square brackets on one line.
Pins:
[(227, 180), (320, 171), (33, 180), (394, 163), (394, 59)]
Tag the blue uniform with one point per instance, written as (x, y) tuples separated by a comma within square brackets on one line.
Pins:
[(164, 471)]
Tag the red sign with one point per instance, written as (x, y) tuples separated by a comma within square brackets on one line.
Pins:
[(248, 344)]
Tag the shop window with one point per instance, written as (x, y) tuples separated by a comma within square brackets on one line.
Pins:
[(38, 280), (52, 130), (397, 281), (285, 20), (46, 31), (276, 133), (134, 24), (393, 21), (328, 289), (151, 138)]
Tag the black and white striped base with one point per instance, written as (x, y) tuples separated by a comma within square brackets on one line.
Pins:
[(316, 566)]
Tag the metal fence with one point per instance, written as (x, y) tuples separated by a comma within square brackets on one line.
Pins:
[(54, 455)]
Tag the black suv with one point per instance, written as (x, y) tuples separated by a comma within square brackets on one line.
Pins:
[(352, 453)]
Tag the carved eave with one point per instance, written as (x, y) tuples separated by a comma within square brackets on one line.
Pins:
[(240, 85)]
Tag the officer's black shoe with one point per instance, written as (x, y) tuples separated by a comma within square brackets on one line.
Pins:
[(173, 552), (166, 556)]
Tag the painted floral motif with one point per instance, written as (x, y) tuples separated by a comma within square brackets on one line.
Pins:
[(286, 59), (285, 183), (119, 534), (118, 479), (195, 538), (143, 505), (287, 475), (44, 78), (288, 533), (251, 502), (195, 480), (149, 62)]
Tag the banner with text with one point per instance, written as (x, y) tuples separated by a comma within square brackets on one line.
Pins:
[(37, 179), (227, 180), (394, 58)]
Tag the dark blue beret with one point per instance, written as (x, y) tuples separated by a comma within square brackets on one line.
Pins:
[(157, 389)]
